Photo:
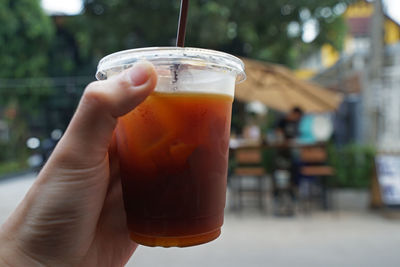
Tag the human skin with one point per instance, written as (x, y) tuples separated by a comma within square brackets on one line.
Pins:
[(73, 214)]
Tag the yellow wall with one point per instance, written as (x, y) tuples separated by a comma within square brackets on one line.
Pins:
[(329, 55), (360, 9), (305, 74), (392, 32)]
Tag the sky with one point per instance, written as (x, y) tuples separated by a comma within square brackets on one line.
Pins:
[(393, 9), (69, 7)]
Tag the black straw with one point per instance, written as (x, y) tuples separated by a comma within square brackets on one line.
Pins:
[(180, 39)]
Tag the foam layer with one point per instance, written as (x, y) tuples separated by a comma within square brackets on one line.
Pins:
[(188, 79)]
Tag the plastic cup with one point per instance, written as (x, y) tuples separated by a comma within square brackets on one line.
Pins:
[(173, 148)]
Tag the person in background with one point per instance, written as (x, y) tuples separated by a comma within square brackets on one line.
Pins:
[(288, 127), (287, 163)]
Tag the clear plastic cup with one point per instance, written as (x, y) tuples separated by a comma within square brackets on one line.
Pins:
[(173, 148)]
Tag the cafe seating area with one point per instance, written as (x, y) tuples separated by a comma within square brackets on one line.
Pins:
[(279, 179)]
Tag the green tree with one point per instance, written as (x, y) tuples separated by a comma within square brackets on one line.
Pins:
[(267, 30), (25, 36)]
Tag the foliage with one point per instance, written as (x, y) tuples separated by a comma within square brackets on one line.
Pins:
[(10, 167), (257, 28), (353, 165), (25, 38), (26, 34)]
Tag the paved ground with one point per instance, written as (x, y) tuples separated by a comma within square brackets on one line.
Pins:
[(347, 237)]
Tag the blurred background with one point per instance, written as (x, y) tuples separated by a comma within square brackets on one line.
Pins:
[(314, 171)]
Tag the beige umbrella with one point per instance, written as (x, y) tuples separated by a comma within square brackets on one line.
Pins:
[(278, 88)]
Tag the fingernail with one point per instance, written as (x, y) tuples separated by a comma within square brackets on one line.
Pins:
[(139, 73)]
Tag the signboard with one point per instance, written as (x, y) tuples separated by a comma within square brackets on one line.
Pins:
[(388, 172)]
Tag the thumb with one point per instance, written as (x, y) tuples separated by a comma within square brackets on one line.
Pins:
[(91, 128)]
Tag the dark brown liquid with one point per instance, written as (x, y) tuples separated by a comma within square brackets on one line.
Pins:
[(173, 151)]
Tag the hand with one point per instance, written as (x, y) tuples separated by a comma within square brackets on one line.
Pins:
[(73, 214)]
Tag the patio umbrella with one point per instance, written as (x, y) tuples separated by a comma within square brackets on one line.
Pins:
[(278, 88)]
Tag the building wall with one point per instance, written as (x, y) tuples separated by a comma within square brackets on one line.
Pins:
[(357, 41), (389, 110), (386, 90)]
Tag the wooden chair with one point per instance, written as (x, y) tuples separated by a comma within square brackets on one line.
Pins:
[(248, 177), (314, 165)]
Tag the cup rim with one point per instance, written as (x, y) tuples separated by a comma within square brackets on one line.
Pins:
[(166, 55)]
